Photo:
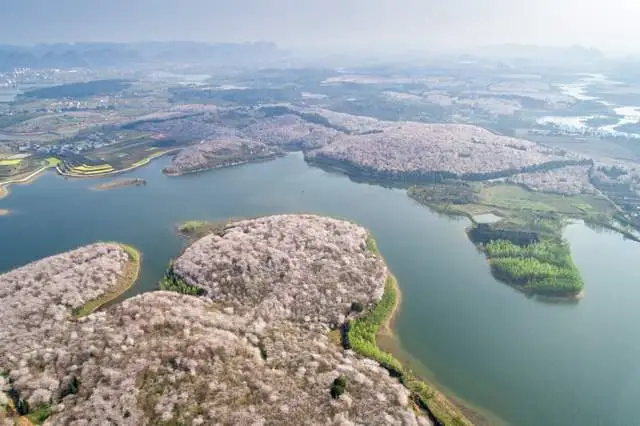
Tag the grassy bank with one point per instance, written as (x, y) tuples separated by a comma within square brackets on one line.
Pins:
[(361, 337), (126, 280), (193, 230), (469, 199)]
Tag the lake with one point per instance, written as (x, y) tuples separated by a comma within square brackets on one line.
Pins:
[(528, 362)]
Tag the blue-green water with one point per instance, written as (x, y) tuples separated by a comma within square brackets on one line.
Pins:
[(528, 362)]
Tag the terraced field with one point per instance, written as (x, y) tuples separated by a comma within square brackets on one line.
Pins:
[(12, 162), (79, 167)]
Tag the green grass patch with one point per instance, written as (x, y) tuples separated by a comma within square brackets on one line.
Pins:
[(193, 230), (53, 161), (514, 197), (39, 415), (192, 226), (371, 245), (511, 201), (361, 337), (126, 280), (542, 268)]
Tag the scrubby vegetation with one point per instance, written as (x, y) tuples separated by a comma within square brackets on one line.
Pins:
[(446, 193), (542, 268), (338, 387), (39, 415), (545, 251), (193, 230), (191, 226), (357, 307), (172, 282)]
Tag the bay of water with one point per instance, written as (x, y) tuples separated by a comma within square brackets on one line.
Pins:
[(530, 363)]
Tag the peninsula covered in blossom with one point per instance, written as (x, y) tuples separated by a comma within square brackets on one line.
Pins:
[(418, 151), (254, 347), (217, 153)]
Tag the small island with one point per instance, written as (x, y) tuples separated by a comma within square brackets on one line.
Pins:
[(119, 183), (533, 259)]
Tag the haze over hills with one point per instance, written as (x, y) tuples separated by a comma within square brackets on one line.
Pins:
[(268, 54), (72, 55)]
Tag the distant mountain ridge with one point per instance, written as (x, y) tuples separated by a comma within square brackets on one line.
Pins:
[(66, 55)]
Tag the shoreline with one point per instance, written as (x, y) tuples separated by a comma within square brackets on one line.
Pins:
[(476, 415), (361, 335), (4, 186), (357, 171), (386, 331), (129, 277)]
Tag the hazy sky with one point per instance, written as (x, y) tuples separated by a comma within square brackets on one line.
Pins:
[(432, 24)]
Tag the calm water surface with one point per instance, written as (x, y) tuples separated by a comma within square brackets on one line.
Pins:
[(528, 362)]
